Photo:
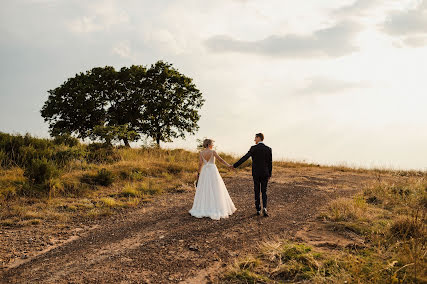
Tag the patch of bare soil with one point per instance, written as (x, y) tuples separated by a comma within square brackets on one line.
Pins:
[(160, 242)]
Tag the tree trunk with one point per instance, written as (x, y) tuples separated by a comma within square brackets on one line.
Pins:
[(108, 143), (126, 141), (158, 140)]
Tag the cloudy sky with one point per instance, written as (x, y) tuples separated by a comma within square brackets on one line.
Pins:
[(326, 81)]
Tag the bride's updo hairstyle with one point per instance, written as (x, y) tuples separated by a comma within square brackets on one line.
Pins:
[(207, 143)]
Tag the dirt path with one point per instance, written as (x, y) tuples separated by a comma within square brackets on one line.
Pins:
[(161, 243)]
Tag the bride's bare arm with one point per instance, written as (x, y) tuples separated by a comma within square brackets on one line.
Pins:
[(221, 159)]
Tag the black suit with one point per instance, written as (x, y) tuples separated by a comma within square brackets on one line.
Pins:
[(262, 165)]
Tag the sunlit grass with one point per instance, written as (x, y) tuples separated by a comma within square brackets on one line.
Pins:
[(389, 216), (133, 176), (284, 261), (108, 202), (89, 189)]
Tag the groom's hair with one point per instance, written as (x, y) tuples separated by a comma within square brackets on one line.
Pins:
[(260, 135)]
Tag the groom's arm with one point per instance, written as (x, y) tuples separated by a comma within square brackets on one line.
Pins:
[(270, 162), (244, 158)]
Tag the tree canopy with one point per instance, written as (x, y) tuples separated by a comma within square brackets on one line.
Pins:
[(104, 104)]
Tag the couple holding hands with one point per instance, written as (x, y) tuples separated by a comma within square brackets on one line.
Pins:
[(212, 199)]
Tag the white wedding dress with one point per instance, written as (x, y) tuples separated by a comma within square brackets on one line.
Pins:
[(211, 198)]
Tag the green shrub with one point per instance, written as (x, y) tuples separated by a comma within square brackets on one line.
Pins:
[(65, 156), (66, 140), (104, 177), (4, 161), (101, 153), (40, 171), (20, 150)]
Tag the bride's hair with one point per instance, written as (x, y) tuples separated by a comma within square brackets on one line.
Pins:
[(207, 143)]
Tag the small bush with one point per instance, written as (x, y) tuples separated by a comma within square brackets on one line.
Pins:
[(17, 150), (66, 140), (104, 177), (21, 150), (63, 157), (101, 153), (40, 171), (3, 159), (406, 228)]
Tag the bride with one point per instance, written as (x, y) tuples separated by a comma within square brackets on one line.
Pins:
[(211, 198)]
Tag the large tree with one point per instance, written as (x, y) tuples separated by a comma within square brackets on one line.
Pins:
[(109, 105), (126, 103), (171, 104), (79, 104)]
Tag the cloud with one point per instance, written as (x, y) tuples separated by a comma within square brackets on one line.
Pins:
[(334, 41), (410, 21), (357, 8), (409, 25), (84, 24), (122, 49), (320, 85), (416, 41), (101, 16)]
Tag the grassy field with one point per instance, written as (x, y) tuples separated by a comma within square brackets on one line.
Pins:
[(43, 180), (389, 217), (57, 181)]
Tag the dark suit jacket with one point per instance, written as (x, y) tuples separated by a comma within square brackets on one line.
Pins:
[(262, 162)]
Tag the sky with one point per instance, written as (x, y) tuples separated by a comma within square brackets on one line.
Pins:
[(331, 82)]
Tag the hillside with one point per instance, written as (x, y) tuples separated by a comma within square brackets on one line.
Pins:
[(110, 215)]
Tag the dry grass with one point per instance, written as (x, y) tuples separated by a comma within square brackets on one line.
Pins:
[(391, 217), (283, 261), (97, 189), (129, 190)]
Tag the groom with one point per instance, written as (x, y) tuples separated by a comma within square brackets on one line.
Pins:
[(261, 170)]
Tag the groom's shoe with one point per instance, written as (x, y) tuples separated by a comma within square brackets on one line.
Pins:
[(264, 212), (258, 213)]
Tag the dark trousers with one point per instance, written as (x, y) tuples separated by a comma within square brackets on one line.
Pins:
[(260, 185)]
